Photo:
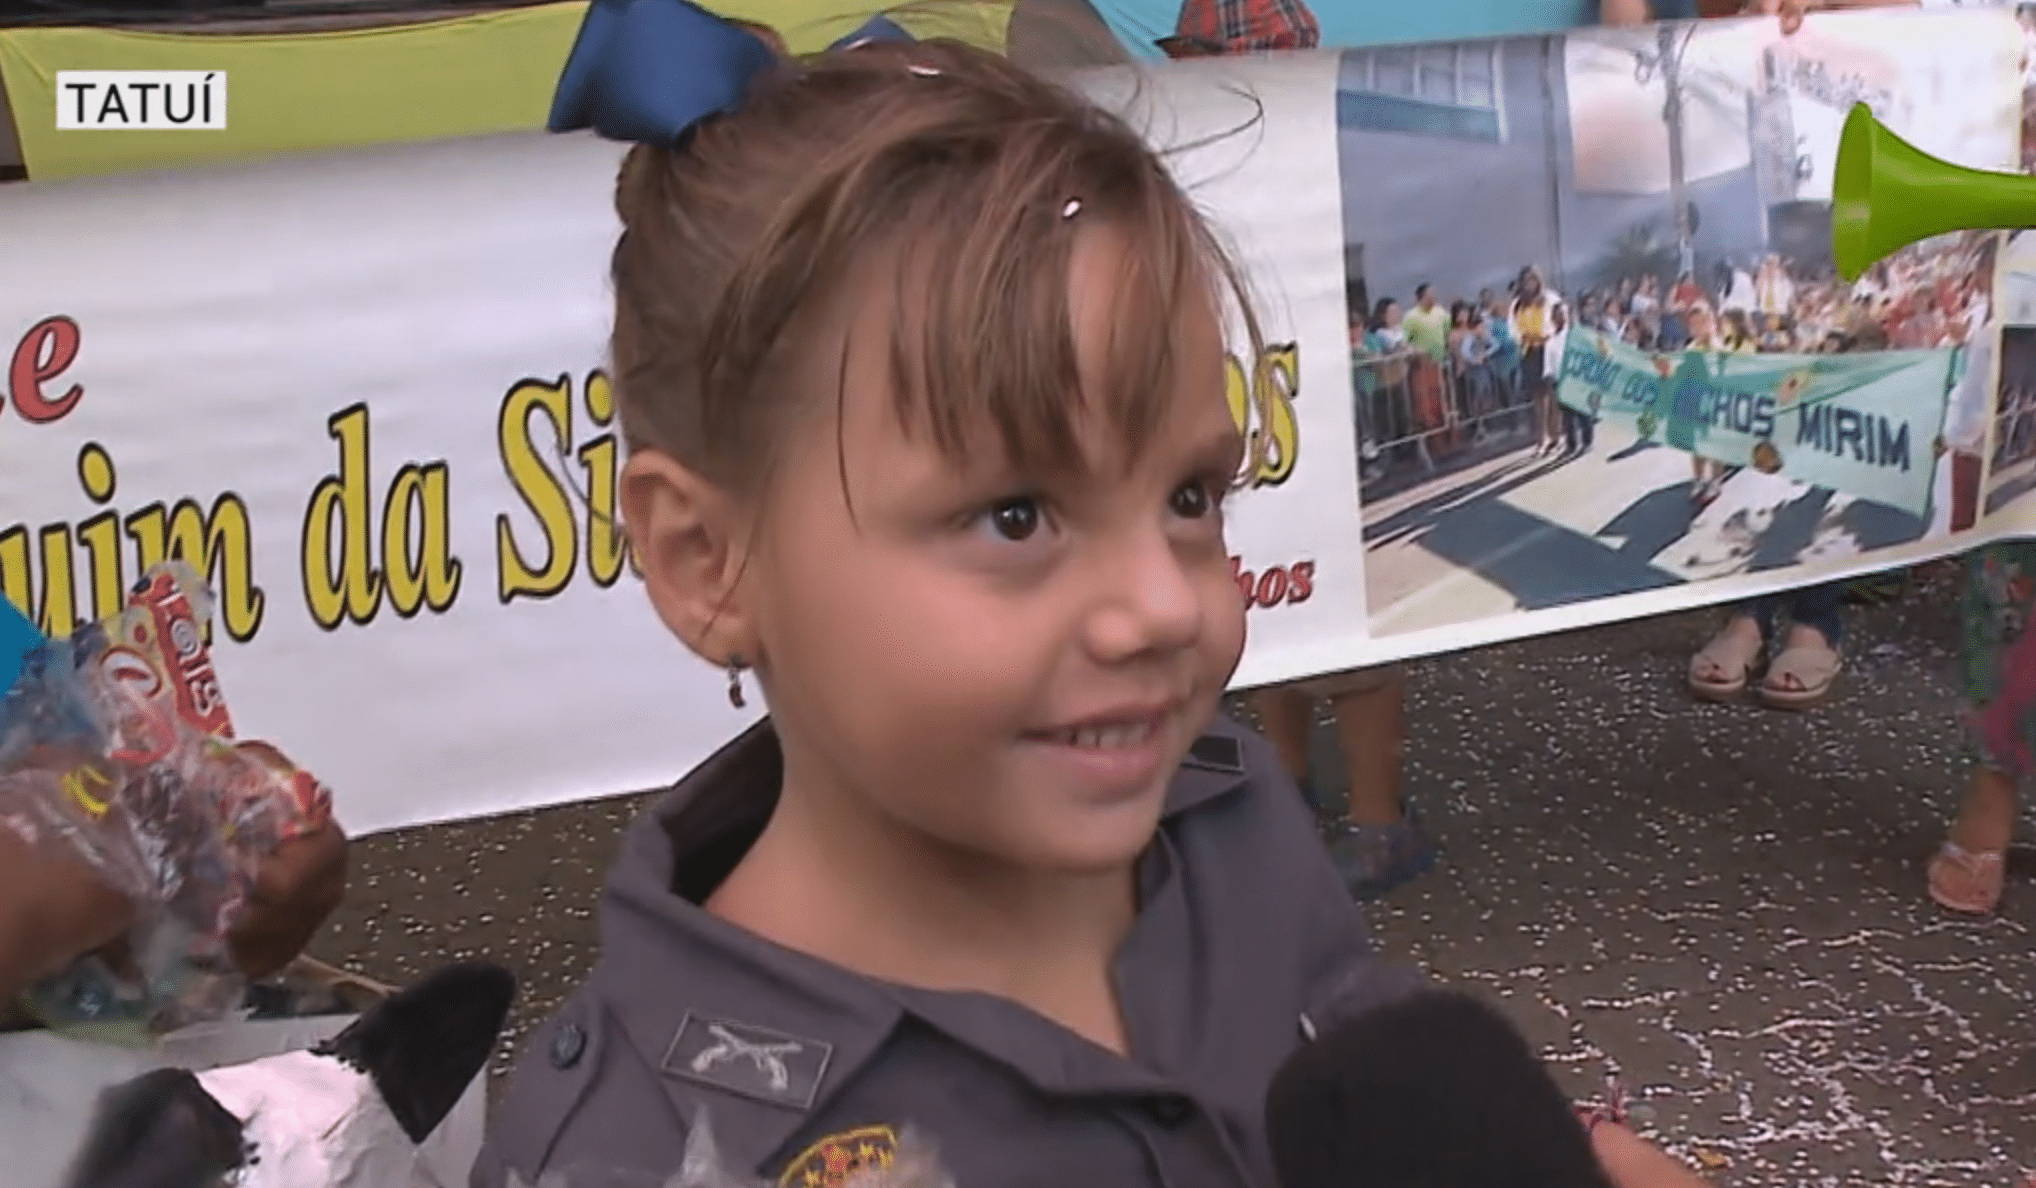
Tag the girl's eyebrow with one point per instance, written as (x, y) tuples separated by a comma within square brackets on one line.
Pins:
[(1224, 445)]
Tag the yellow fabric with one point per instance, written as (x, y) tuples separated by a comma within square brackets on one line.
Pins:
[(469, 76)]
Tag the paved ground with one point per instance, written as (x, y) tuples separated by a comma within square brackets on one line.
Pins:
[(1718, 905)]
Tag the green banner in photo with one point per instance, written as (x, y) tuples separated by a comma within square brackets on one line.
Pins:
[(1865, 425)]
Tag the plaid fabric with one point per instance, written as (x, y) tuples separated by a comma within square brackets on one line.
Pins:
[(1248, 26)]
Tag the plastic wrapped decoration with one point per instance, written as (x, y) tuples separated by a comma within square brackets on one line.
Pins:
[(914, 1164), (117, 744), (18, 638)]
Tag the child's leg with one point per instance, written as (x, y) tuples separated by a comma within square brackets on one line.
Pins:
[(1966, 874), (1986, 818), (1286, 716), (1371, 728), (1999, 687), (1379, 845)]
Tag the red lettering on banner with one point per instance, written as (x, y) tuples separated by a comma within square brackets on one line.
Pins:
[(1274, 586), (44, 354)]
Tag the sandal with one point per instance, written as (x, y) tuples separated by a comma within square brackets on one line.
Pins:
[(1801, 676), (1965, 882), (1723, 669)]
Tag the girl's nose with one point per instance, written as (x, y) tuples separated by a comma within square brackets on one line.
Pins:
[(1154, 606)]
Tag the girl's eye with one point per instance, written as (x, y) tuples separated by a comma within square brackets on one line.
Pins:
[(1014, 519), (1192, 501)]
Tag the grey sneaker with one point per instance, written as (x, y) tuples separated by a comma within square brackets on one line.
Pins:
[(1375, 859)]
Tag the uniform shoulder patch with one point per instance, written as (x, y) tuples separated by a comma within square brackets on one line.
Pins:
[(1216, 752), (830, 1162), (754, 1062)]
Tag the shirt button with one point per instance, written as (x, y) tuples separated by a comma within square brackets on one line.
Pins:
[(1170, 1110), (568, 1043)]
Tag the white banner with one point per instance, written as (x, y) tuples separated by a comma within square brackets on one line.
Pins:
[(368, 388)]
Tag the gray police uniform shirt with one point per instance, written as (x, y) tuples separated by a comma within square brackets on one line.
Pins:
[(1246, 942)]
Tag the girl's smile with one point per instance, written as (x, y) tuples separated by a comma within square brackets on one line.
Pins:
[(1118, 753)]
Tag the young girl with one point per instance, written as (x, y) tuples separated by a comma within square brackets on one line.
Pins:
[(921, 366)]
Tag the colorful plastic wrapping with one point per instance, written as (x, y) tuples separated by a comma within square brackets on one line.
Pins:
[(117, 743)]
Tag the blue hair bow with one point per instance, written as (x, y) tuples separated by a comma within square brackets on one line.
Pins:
[(649, 70)]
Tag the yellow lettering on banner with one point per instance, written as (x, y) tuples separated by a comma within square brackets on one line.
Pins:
[(607, 545), (1274, 432), (348, 586), (344, 579), (538, 466), (417, 541), (219, 544), (541, 490), (56, 615), (101, 534)]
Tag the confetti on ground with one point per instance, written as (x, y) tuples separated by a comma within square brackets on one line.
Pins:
[(1715, 909)]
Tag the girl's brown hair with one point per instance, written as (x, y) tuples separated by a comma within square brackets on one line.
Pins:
[(964, 179)]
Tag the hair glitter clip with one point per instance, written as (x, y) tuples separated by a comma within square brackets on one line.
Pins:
[(921, 70), (1072, 208)]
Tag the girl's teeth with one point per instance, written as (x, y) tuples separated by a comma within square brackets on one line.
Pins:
[(1108, 736)]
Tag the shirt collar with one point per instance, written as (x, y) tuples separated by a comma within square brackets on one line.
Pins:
[(670, 970)]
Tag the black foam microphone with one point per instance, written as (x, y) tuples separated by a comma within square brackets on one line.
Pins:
[(1432, 1090)]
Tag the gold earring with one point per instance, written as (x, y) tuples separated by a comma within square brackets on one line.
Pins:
[(735, 667)]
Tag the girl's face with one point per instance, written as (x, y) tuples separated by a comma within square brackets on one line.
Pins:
[(1391, 317), (976, 661)]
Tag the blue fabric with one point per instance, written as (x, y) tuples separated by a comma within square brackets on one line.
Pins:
[(1349, 24), (18, 637), (877, 28), (648, 70), (1353, 23)]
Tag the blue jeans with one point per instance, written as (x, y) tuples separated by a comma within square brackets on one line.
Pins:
[(1817, 606)]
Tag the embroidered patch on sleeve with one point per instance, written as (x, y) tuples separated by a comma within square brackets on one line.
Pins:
[(830, 1162)]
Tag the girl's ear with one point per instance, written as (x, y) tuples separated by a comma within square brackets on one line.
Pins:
[(692, 541)]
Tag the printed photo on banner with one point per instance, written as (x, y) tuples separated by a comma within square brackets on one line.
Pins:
[(2011, 470), (2011, 481), (1622, 360)]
